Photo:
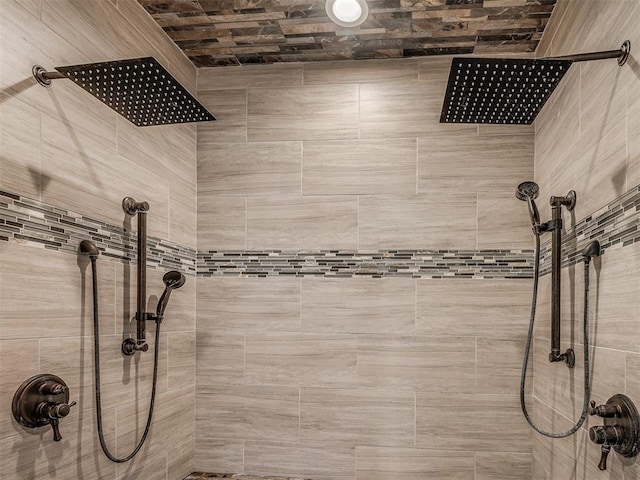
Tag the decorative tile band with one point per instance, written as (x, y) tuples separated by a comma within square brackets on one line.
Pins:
[(387, 263), (616, 225), (27, 221)]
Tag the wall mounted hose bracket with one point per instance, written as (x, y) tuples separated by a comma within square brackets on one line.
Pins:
[(139, 89), (42, 400), (620, 429), (509, 90)]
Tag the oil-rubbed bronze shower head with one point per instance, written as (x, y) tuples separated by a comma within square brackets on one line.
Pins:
[(139, 89)]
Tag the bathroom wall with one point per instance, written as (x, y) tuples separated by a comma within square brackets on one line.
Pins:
[(402, 370), (588, 139), (66, 162)]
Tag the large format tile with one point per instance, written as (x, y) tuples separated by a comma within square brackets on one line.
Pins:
[(305, 460), (494, 374), (503, 222), (362, 417), (430, 221), (254, 304), (304, 359), (249, 412), (249, 76), (221, 222), (230, 109), (474, 164), (369, 71), (219, 358), (215, 454), (303, 113), (299, 223), (633, 140), (358, 305), (359, 166), (271, 168), (434, 364), (471, 423), (393, 463), (503, 466), (473, 307)]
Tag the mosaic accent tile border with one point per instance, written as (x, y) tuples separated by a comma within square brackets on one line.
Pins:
[(387, 263), (27, 221), (616, 225)]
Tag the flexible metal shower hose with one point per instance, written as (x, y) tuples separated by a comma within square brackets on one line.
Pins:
[(523, 377), (96, 352)]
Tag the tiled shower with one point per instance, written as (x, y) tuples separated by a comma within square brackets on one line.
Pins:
[(358, 274)]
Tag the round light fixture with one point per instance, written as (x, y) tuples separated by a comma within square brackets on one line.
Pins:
[(347, 13)]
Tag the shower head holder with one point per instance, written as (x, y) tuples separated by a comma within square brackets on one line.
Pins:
[(139, 89)]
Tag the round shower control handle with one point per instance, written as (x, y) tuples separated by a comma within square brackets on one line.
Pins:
[(606, 434)]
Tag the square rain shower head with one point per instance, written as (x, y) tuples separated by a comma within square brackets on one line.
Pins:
[(500, 90), (139, 89)]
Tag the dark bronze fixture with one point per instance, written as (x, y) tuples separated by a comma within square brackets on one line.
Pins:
[(139, 89), (42, 400), (528, 191), (172, 280), (620, 429), (509, 90), (131, 207)]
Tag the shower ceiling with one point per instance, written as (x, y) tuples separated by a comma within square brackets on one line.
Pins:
[(237, 32)]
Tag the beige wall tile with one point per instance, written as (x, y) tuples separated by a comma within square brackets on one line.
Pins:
[(180, 460), (307, 460), (219, 358), (435, 364), (217, 455), (633, 140), (302, 223), (474, 164), (62, 311), (221, 222), (495, 375), (391, 463), (19, 147), (302, 113), (181, 360), (363, 417), (249, 412), (253, 304), (489, 129), (18, 362), (249, 76), (400, 109), (417, 221), (271, 168), (632, 387), (87, 165), (230, 109), (304, 359), (503, 221), (503, 466), (618, 299), (471, 423), (473, 307), (153, 467), (368, 71), (359, 166), (358, 306)]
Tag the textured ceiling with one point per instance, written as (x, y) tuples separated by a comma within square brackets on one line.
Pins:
[(235, 32)]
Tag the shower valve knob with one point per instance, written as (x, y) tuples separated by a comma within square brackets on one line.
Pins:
[(605, 411)]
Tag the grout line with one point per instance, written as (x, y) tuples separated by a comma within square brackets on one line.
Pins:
[(417, 166)]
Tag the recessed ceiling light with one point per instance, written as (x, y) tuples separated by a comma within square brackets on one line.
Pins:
[(347, 13)]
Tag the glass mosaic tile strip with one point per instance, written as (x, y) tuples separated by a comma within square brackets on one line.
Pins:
[(27, 221), (616, 225)]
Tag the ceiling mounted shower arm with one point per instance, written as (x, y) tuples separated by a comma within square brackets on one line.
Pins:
[(622, 54)]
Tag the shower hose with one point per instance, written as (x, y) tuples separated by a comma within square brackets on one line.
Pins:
[(523, 377), (96, 353)]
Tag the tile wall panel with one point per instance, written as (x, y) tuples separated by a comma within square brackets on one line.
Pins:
[(586, 139), (66, 163)]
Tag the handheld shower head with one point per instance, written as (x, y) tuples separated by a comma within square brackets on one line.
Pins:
[(527, 192), (88, 248), (172, 280)]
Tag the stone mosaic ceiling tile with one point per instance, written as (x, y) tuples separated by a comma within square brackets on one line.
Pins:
[(237, 32)]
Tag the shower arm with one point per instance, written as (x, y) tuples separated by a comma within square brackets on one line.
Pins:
[(129, 346), (621, 54)]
